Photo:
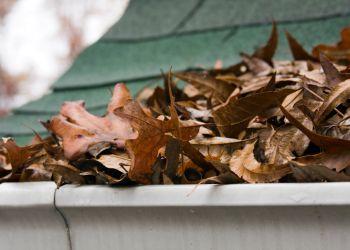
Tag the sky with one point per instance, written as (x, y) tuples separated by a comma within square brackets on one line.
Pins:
[(40, 38)]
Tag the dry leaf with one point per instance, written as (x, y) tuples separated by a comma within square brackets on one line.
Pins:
[(152, 135), (332, 74), (339, 94), (339, 52), (208, 85), (187, 135), (245, 166), (267, 52), (80, 130), (299, 53), (316, 173), (234, 116), (336, 153)]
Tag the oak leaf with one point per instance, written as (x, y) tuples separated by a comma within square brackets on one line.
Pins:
[(234, 116), (80, 130), (152, 135)]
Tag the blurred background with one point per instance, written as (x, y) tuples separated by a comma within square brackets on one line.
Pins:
[(39, 40)]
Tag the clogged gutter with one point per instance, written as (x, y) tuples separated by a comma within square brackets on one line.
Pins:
[(257, 121)]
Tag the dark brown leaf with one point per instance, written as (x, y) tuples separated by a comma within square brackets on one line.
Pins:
[(267, 51), (333, 76), (299, 53), (336, 152), (234, 116)]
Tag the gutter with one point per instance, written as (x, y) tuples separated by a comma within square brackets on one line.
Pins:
[(241, 216)]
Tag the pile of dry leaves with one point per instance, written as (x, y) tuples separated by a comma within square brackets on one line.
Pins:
[(257, 121)]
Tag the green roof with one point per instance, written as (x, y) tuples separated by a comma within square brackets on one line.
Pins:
[(154, 35)]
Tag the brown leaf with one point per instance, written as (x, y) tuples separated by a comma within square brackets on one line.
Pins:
[(172, 155), (208, 85), (244, 164), (338, 160), (279, 146), (63, 172), (36, 172), (267, 51), (234, 116), (152, 135), (299, 53), (218, 150), (196, 156), (316, 173), (190, 173), (119, 161), (339, 94), (192, 140), (96, 149), (19, 157), (80, 130), (325, 142), (339, 52), (257, 66), (336, 153), (157, 101), (333, 76), (108, 169)]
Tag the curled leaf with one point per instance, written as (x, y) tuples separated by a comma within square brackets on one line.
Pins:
[(152, 135), (245, 166), (336, 152), (339, 94), (80, 130)]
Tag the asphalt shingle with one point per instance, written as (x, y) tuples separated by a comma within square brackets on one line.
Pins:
[(155, 35)]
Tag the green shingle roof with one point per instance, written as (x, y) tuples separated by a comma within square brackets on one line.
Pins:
[(154, 35)]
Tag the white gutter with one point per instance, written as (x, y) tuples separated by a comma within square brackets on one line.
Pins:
[(29, 219), (206, 195), (264, 216)]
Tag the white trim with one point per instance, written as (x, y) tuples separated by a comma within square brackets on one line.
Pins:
[(205, 195), (36, 216)]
